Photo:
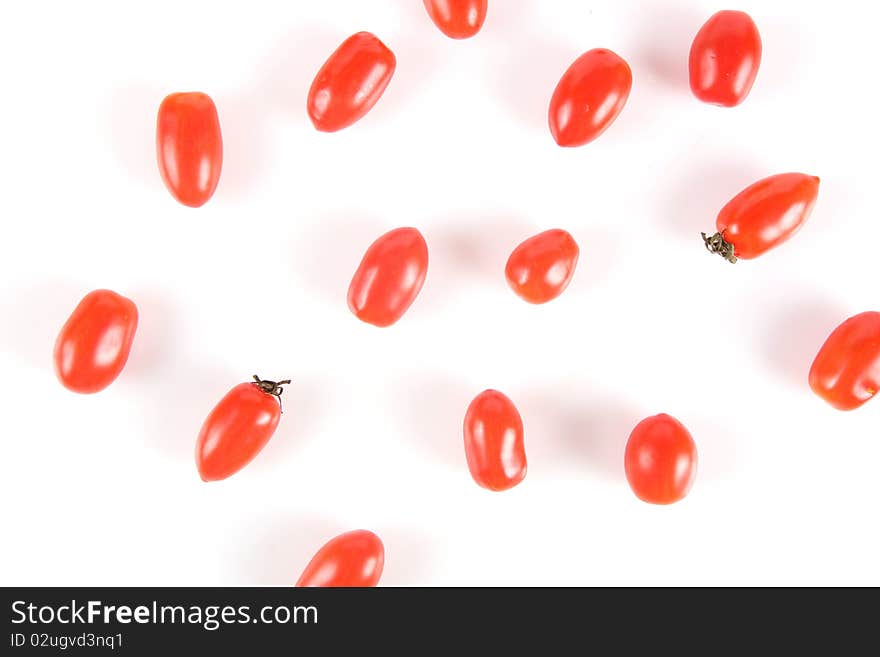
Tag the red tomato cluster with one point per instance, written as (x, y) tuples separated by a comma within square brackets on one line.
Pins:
[(660, 457)]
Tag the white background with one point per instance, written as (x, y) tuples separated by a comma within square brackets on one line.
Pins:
[(103, 489)]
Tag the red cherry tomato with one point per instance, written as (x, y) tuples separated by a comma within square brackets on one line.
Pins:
[(389, 277), (724, 59), (763, 216), (590, 95), (350, 82), (541, 268), (94, 343), (189, 147), (493, 441), (355, 558), (660, 460), (457, 19), (238, 428), (846, 371)]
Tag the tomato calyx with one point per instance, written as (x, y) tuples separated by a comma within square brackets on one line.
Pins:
[(717, 244), (273, 388)]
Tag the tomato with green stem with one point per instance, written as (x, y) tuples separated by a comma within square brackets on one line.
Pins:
[(238, 428), (763, 216)]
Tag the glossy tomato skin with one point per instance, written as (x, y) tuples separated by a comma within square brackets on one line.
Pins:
[(457, 19), (93, 345), (541, 267), (350, 82), (189, 147), (353, 559), (235, 431), (389, 277), (724, 59), (589, 97), (767, 213), (846, 371), (660, 460), (493, 441)]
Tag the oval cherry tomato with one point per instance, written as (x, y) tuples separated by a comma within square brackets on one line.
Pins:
[(541, 268), (389, 277), (590, 95), (350, 82), (189, 147), (94, 343), (457, 19), (724, 59), (763, 216), (846, 371), (355, 558), (238, 428), (660, 460), (493, 441)]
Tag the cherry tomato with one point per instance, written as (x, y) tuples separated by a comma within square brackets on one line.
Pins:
[(189, 147), (763, 216), (389, 277), (457, 19), (846, 371), (590, 95), (660, 460), (724, 59), (493, 441), (355, 558), (94, 343), (238, 428), (541, 268), (350, 82)]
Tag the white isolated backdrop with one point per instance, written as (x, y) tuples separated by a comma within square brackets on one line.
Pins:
[(103, 489)]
